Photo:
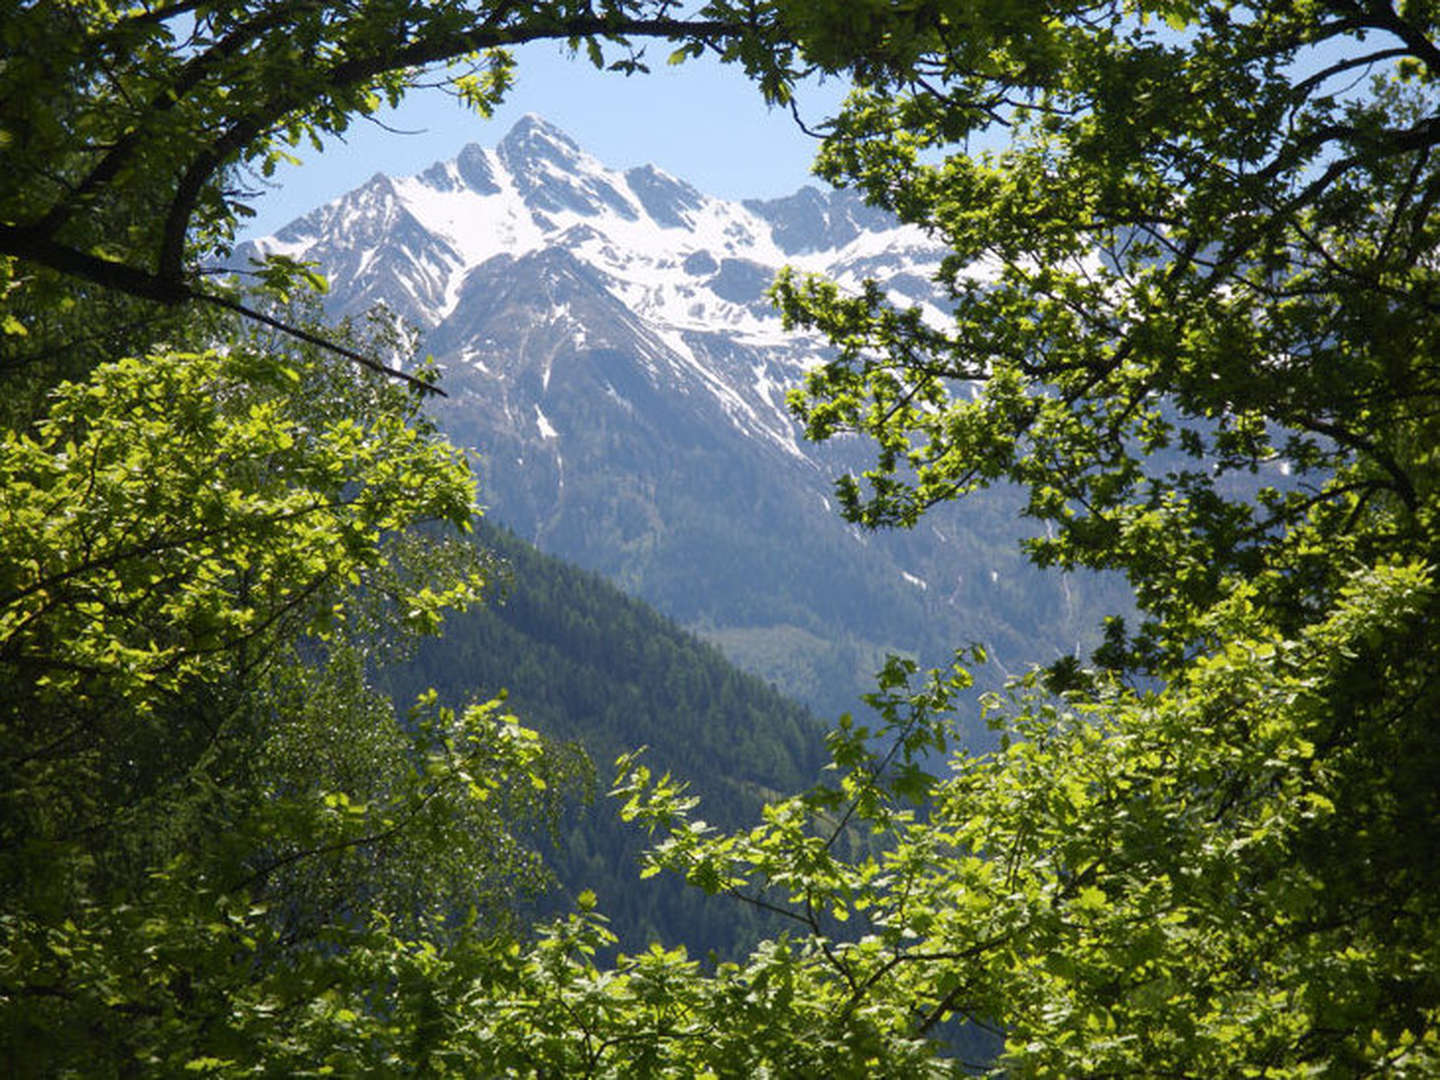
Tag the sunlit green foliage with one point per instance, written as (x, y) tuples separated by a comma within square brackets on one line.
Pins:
[(1194, 297), (222, 850), (1193, 290), (1195, 881), (209, 822)]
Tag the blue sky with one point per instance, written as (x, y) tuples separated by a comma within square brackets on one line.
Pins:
[(701, 121)]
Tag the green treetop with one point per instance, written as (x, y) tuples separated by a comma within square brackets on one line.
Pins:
[(1194, 315), (1193, 297)]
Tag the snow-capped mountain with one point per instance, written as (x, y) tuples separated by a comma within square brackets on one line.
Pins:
[(690, 270), (610, 354)]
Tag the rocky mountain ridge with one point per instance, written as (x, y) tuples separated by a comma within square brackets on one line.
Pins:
[(690, 269), (611, 356)]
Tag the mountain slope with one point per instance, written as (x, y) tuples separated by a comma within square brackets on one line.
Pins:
[(612, 359)]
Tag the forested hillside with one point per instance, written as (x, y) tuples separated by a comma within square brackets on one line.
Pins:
[(580, 661)]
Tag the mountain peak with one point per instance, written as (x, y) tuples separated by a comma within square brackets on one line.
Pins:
[(810, 220), (665, 199), (553, 175), (683, 262), (533, 137), (607, 342)]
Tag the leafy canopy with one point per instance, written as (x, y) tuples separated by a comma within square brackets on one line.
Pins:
[(223, 850), (1192, 287), (214, 835), (1193, 299), (1193, 315)]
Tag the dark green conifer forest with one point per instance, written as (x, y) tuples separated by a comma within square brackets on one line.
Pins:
[(1193, 252), (583, 663)]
